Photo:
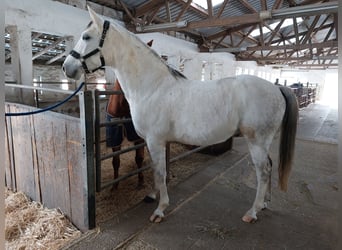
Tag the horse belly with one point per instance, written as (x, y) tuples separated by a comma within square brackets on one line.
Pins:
[(204, 131)]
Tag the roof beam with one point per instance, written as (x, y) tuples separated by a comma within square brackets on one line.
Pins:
[(248, 6), (210, 8), (330, 7), (141, 10), (185, 8), (56, 58), (295, 46), (222, 7), (195, 8), (47, 48)]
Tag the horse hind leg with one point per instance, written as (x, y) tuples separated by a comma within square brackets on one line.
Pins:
[(263, 168), (139, 159), (268, 194), (116, 166)]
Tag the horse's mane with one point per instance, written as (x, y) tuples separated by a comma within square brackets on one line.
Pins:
[(174, 72)]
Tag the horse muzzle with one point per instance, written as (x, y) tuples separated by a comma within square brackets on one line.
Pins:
[(71, 70)]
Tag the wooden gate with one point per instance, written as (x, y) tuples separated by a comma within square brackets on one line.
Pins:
[(50, 157)]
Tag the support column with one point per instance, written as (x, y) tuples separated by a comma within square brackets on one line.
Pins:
[(21, 54)]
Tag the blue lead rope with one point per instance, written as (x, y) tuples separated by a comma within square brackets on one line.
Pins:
[(50, 107)]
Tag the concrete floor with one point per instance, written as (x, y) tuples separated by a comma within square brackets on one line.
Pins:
[(206, 209)]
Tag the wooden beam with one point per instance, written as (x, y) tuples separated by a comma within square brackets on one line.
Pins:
[(235, 20), (271, 59), (336, 23), (295, 28), (275, 31), (326, 38), (245, 36), (210, 8), (185, 8), (310, 30), (263, 4), (223, 5), (47, 48), (153, 14), (56, 58), (301, 33), (248, 6), (168, 12), (128, 12), (141, 10), (295, 46), (277, 4), (194, 8)]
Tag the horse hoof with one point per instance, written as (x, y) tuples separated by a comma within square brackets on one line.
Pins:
[(149, 199), (249, 219), (156, 218)]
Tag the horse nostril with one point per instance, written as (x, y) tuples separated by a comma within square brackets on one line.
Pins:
[(63, 68)]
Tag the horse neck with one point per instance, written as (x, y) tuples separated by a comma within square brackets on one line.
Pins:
[(139, 71)]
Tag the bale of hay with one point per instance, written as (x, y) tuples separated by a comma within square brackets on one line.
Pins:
[(28, 225)]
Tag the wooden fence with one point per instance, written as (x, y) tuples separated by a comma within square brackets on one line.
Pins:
[(48, 157)]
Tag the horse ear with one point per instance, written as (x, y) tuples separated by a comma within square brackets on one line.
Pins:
[(97, 20), (150, 43)]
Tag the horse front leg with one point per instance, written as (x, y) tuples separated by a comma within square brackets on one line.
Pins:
[(263, 168), (157, 152)]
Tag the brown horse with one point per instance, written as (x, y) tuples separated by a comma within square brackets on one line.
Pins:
[(118, 107)]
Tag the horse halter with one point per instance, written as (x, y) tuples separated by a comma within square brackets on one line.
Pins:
[(77, 55)]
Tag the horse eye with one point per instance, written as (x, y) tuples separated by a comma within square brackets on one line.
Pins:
[(86, 37)]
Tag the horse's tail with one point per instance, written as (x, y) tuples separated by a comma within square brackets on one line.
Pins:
[(287, 137)]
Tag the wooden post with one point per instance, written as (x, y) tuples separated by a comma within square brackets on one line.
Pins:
[(86, 116)]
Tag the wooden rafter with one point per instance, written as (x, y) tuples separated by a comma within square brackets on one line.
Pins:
[(277, 4), (248, 6), (263, 4), (143, 9), (223, 6), (184, 9), (331, 44), (47, 48), (210, 8)]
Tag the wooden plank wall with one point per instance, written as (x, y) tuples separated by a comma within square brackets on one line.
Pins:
[(44, 159)]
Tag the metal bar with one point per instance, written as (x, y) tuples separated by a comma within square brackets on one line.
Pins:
[(39, 88), (306, 10), (118, 121), (122, 151), (109, 92), (187, 153), (137, 171), (97, 142), (124, 177)]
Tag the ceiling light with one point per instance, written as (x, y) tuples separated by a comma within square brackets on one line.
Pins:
[(162, 26)]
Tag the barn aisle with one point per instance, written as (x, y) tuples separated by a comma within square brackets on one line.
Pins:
[(206, 209)]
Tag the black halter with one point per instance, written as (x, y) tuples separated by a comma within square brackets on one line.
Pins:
[(77, 55)]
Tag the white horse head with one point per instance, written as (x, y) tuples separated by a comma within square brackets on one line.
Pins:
[(87, 54)]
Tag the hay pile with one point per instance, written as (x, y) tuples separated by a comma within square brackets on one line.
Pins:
[(28, 225)]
